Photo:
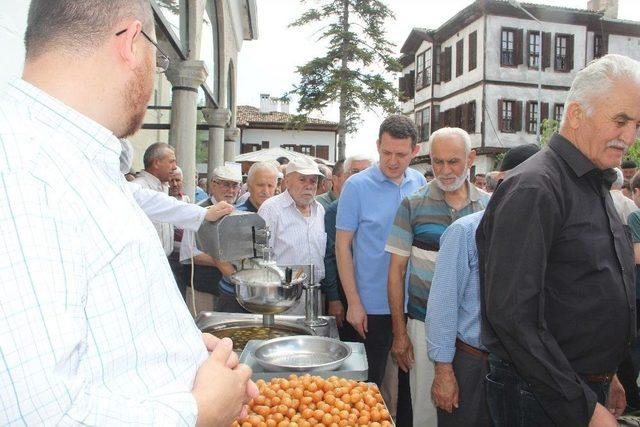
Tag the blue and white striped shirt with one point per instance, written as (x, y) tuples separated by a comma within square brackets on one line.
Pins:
[(453, 309), (92, 326)]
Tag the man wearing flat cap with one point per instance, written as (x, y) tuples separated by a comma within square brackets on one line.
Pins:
[(208, 272), (296, 221)]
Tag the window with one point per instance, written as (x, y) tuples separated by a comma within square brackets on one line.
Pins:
[(558, 111), (533, 49), (322, 151), (289, 147), (265, 144), (309, 150), (507, 50), (473, 50), (459, 116), (459, 57), (249, 148), (598, 50), (445, 64), (419, 71), (532, 116), (564, 52), (418, 123), (507, 122), (471, 117), (436, 65), (426, 123), (423, 70)]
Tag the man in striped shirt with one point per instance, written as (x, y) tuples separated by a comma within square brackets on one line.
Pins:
[(92, 329), (413, 243)]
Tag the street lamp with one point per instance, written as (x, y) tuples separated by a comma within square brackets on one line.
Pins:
[(516, 4)]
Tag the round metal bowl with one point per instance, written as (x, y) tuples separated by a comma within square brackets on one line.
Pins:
[(242, 331), (265, 291), (302, 354)]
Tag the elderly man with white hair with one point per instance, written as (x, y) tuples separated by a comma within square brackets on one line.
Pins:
[(415, 236), (296, 221), (557, 267), (262, 180)]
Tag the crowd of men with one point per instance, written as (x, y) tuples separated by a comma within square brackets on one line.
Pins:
[(511, 306)]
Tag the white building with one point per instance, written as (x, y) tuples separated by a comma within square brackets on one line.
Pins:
[(479, 70), (269, 126)]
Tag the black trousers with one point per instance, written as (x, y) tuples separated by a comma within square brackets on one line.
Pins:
[(378, 344)]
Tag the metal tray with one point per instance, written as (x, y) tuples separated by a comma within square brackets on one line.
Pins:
[(302, 353)]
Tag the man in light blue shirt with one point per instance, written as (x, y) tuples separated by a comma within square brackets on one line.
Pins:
[(453, 319), (368, 204)]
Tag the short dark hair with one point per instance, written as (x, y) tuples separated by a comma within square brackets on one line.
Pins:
[(635, 181), (155, 151), (399, 126), (626, 184), (338, 168), (627, 164), (78, 25), (282, 160)]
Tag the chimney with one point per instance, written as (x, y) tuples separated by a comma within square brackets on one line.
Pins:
[(273, 105), (265, 100), (608, 7), (284, 107)]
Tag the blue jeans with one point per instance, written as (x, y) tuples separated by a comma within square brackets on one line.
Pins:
[(511, 401)]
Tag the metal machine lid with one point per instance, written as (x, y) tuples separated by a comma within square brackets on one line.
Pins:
[(268, 275)]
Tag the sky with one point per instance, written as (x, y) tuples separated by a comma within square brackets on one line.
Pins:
[(267, 65)]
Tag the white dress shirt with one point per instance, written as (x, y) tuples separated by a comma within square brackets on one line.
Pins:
[(624, 205), (188, 247), (93, 329), (164, 229), (296, 239), (161, 207)]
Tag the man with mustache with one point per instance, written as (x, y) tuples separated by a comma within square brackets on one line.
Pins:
[(557, 266), (415, 236), (94, 331), (296, 221)]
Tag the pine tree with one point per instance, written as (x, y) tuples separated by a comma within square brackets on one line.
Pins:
[(350, 71)]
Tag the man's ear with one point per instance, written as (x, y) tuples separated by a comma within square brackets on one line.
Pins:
[(471, 158), (575, 115), (125, 44), (416, 149)]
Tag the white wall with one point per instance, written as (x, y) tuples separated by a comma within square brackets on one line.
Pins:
[(13, 22), (522, 73), (467, 77), (278, 138), (625, 45)]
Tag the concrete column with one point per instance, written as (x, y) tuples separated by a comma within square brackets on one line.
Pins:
[(231, 136), (217, 119), (185, 79)]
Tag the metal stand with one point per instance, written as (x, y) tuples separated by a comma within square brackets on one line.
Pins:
[(268, 320), (312, 302)]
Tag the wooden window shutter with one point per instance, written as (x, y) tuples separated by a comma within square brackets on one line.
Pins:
[(322, 151), (517, 116), (526, 115), (518, 34), (545, 111), (436, 118), (297, 149), (265, 144), (546, 50), (473, 49), (447, 64), (569, 52), (411, 84), (402, 88), (443, 67), (313, 150), (605, 43), (459, 57), (500, 120), (465, 117)]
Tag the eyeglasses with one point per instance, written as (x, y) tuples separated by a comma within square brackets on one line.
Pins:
[(227, 184), (162, 60)]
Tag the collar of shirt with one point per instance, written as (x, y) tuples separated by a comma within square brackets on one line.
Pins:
[(380, 177), (578, 162), (152, 179), (436, 193), (51, 111)]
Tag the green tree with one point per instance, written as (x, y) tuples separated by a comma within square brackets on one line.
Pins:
[(548, 128), (349, 72), (634, 152)]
